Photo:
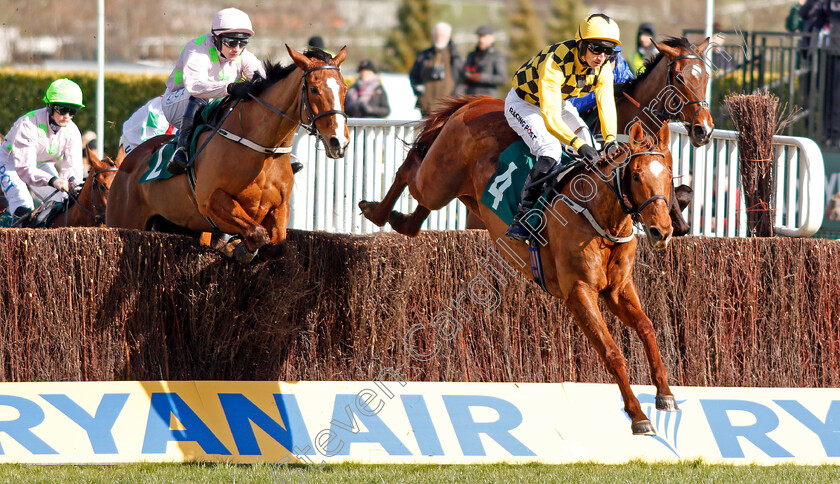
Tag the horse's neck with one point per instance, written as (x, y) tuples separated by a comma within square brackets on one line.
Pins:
[(645, 93), (267, 126), (605, 206)]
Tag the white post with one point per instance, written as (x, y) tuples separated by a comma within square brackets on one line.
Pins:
[(100, 80), (710, 18)]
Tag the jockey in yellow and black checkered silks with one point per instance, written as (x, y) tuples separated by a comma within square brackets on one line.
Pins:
[(537, 110)]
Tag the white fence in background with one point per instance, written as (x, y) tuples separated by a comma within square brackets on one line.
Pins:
[(327, 192)]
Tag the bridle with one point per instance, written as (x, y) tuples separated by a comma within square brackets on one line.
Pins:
[(98, 215), (618, 184), (667, 115), (305, 107)]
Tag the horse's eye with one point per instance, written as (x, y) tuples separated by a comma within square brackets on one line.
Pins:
[(313, 90), (636, 177)]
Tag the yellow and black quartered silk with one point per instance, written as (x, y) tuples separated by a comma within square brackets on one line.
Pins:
[(575, 80)]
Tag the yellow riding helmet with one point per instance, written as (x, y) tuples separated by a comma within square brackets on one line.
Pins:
[(598, 26)]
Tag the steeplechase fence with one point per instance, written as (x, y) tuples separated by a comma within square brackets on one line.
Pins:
[(327, 191)]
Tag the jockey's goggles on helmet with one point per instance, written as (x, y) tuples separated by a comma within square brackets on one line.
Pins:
[(232, 42), (601, 47), (65, 110)]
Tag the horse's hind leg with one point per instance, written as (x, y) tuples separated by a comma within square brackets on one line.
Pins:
[(583, 303), (380, 212), (624, 303)]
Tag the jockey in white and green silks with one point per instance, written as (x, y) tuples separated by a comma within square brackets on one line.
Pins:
[(37, 141), (208, 68)]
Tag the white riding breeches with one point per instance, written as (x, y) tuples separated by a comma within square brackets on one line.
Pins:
[(527, 121)]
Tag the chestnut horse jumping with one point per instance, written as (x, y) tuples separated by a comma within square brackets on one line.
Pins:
[(457, 153), (88, 208), (672, 87), (243, 181)]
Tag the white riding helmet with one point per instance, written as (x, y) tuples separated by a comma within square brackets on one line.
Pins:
[(232, 21)]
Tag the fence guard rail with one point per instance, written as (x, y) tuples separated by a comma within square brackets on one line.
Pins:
[(327, 192)]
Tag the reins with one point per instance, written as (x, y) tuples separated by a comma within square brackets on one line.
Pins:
[(624, 200)]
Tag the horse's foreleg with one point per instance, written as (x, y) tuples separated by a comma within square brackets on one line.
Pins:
[(276, 222), (583, 303), (232, 219), (380, 212), (624, 303)]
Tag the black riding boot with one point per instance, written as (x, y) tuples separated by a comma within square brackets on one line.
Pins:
[(530, 194), (21, 217), (180, 159)]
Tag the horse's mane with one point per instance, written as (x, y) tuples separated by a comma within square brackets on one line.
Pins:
[(275, 72), (650, 63), (430, 128)]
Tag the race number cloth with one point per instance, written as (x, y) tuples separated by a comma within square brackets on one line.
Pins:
[(160, 158), (504, 189)]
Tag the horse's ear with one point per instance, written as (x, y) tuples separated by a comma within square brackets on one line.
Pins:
[(339, 58), (702, 47), (304, 63), (120, 157), (670, 52)]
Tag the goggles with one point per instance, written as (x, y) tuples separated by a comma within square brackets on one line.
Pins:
[(65, 110), (233, 43), (598, 49)]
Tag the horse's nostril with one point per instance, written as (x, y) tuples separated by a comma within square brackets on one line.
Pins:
[(335, 145), (699, 132), (655, 234)]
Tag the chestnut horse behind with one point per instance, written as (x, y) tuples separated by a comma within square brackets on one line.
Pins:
[(242, 187), (457, 153), (88, 208)]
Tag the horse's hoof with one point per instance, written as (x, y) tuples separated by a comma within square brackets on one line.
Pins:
[(242, 254), (643, 427), (667, 403)]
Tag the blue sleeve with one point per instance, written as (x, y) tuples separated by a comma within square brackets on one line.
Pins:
[(585, 103), (622, 71)]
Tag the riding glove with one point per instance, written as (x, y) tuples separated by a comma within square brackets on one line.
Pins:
[(60, 184), (611, 148), (588, 153), (238, 89)]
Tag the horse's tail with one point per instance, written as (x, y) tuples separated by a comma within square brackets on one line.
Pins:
[(430, 128)]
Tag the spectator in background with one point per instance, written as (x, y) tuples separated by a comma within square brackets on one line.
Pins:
[(436, 70), (366, 98), (315, 42), (37, 141), (793, 22), (485, 68), (822, 17), (644, 47)]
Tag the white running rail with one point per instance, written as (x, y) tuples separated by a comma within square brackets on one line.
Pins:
[(327, 192)]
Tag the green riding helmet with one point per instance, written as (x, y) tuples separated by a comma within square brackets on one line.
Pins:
[(64, 91)]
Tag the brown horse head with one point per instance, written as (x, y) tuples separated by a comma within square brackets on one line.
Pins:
[(88, 209), (688, 76), (323, 99), (647, 182)]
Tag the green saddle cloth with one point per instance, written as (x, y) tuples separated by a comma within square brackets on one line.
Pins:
[(160, 158), (504, 188)]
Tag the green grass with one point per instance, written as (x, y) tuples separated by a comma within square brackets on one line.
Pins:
[(634, 472)]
